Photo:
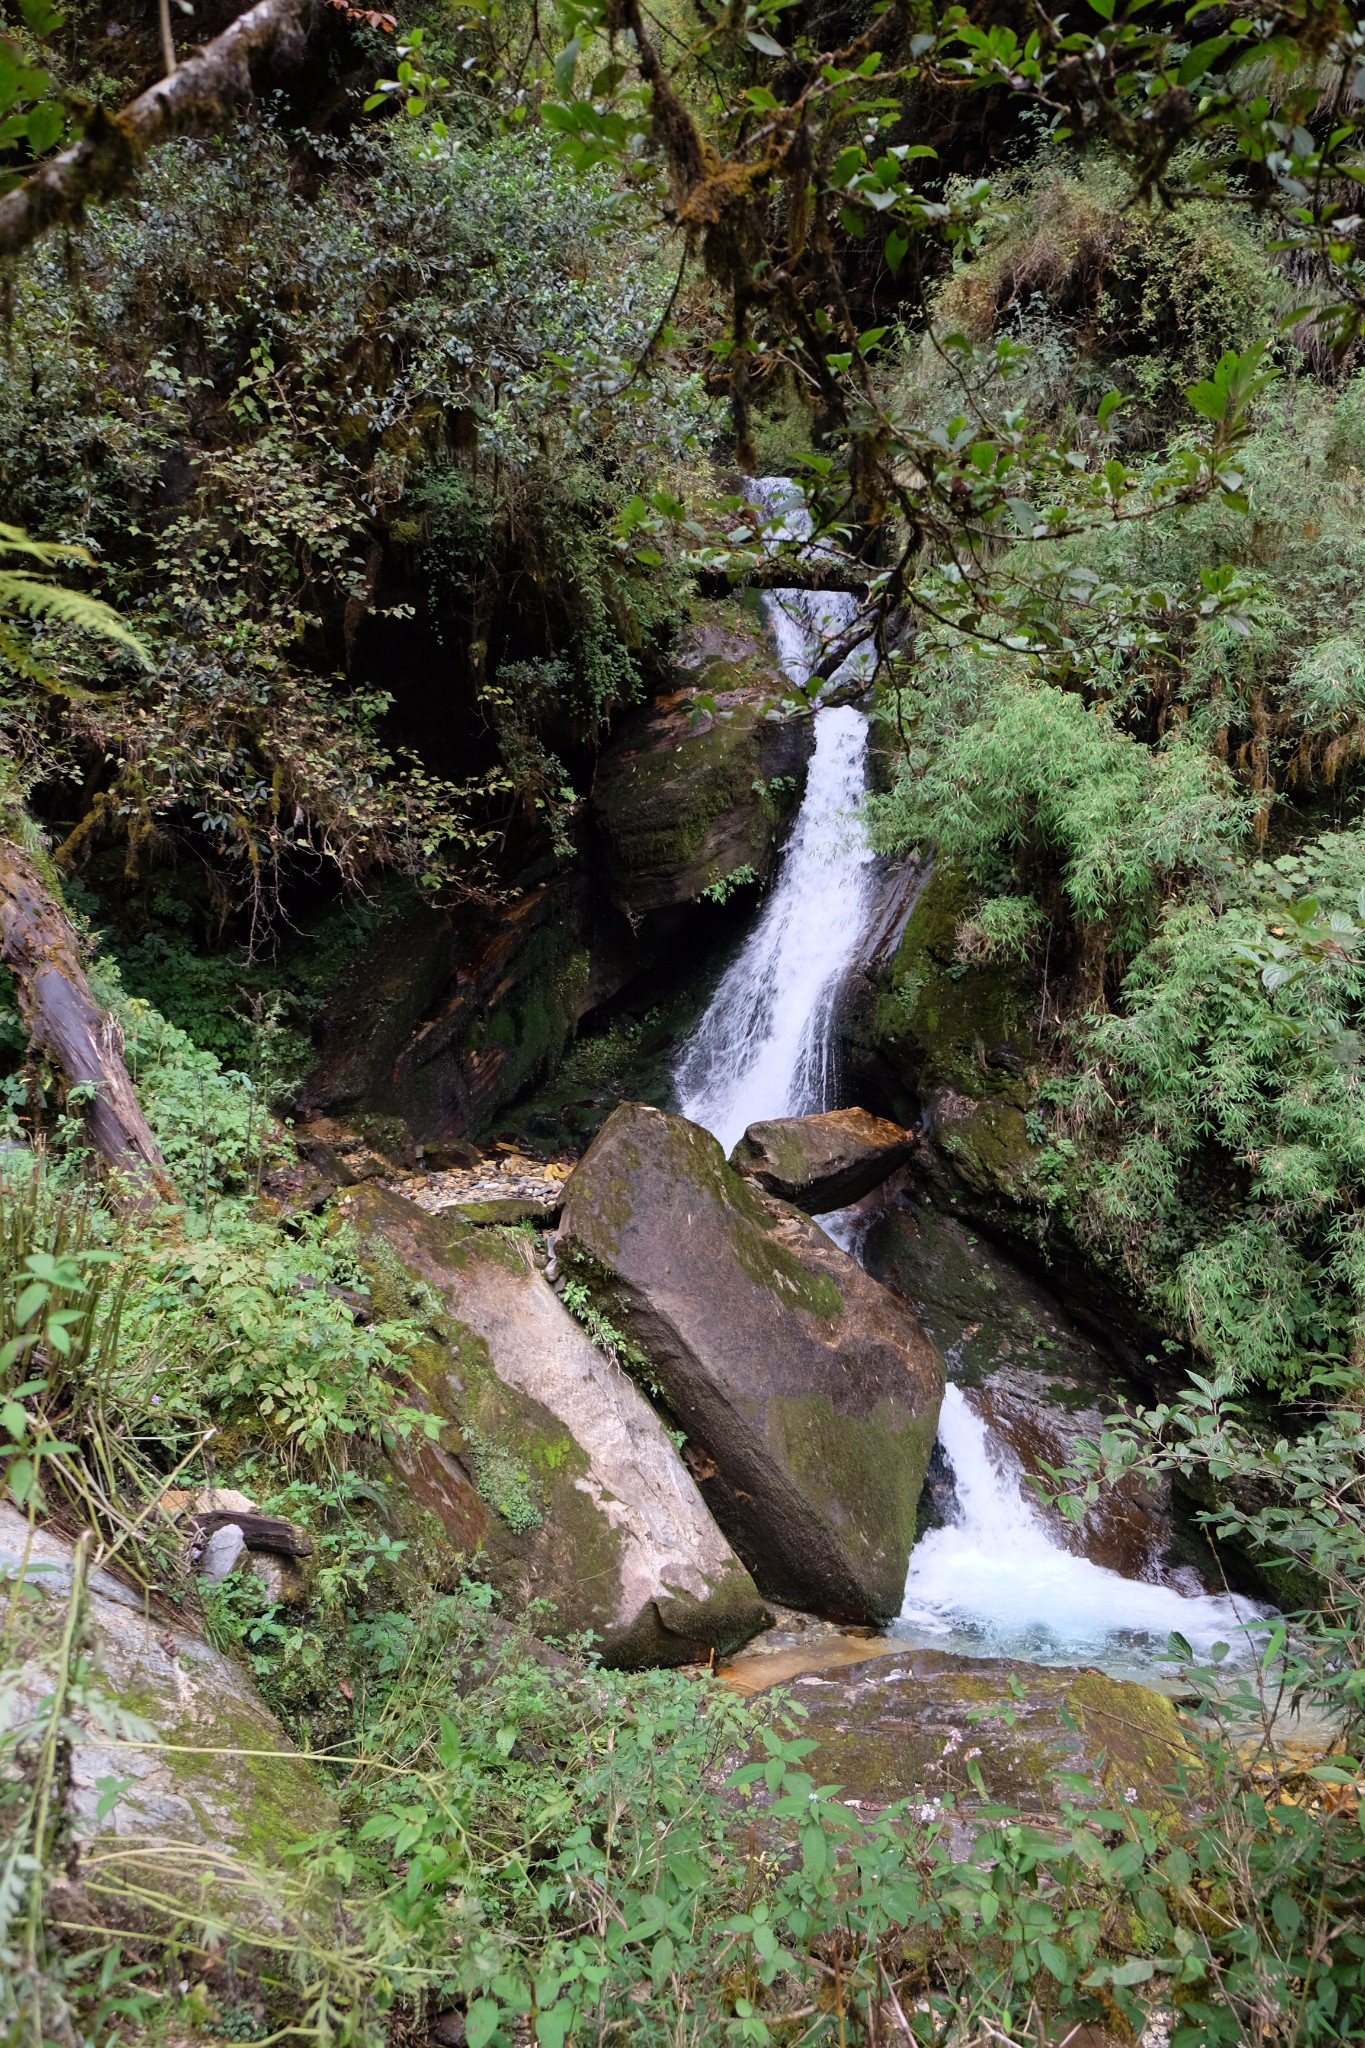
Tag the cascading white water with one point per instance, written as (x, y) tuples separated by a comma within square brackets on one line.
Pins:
[(764, 1047), (996, 1582), (765, 1044)]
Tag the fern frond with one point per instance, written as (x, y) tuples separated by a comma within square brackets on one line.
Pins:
[(14, 541), (38, 599)]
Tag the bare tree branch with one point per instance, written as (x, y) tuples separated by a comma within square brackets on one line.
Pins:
[(105, 160)]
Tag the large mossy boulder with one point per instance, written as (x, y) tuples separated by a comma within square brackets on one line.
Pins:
[(822, 1162), (205, 1784), (922, 1723), (808, 1394), (552, 1466), (695, 789)]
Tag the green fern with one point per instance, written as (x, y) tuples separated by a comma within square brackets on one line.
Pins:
[(31, 596)]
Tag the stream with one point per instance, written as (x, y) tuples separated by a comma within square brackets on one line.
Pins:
[(993, 1581)]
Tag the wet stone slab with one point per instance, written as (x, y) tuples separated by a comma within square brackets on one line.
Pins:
[(921, 1724)]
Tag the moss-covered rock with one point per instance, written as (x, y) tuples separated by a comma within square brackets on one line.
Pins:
[(453, 1015), (809, 1395), (695, 789), (552, 1466), (208, 1783), (822, 1162), (916, 1723)]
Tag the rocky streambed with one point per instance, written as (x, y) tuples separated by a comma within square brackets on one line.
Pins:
[(699, 1428)]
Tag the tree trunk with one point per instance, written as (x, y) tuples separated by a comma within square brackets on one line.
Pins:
[(40, 948)]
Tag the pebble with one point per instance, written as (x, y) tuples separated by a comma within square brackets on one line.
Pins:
[(513, 1177)]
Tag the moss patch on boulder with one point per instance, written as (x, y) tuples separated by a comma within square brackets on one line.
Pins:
[(913, 1724), (809, 1396)]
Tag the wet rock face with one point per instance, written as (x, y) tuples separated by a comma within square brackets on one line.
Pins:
[(687, 794), (822, 1162), (808, 1394), (449, 1015), (155, 1680), (552, 1464), (1038, 1382), (911, 1725)]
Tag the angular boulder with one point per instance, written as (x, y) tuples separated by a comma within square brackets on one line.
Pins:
[(552, 1464), (175, 1765), (822, 1162), (808, 1393), (695, 788)]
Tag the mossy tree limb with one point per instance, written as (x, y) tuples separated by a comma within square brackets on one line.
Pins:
[(198, 95), (39, 946)]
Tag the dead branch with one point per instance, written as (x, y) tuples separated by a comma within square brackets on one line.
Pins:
[(41, 950)]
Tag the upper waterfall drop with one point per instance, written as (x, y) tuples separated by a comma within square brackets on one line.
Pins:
[(764, 1046)]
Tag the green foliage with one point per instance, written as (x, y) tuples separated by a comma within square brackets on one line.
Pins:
[(1106, 293), (33, 118), (720, 891), (1038, 781), (302, 399)]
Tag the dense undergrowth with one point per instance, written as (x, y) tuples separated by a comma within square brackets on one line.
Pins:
[(1156, 818), (328, 414), (555, 1850)]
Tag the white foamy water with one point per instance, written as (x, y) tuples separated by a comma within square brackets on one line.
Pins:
[(996, 1583), (765, 1044)]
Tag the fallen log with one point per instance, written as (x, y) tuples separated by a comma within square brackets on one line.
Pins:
[(41, 950)]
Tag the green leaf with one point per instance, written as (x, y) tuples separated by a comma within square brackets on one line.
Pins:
[(552, 2027), (1056, 1961), (814, 1849), (45, 125), (481, 2022), (30, 1301), (759, 41), (566, 64), (1200, 58)]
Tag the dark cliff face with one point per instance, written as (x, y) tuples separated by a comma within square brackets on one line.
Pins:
[(451, 1015)]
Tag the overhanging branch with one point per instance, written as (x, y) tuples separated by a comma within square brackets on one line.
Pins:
[(105, 160), (787, 572)]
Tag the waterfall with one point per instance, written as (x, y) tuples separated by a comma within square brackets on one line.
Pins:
[(996, 1582), (764, 1046)]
